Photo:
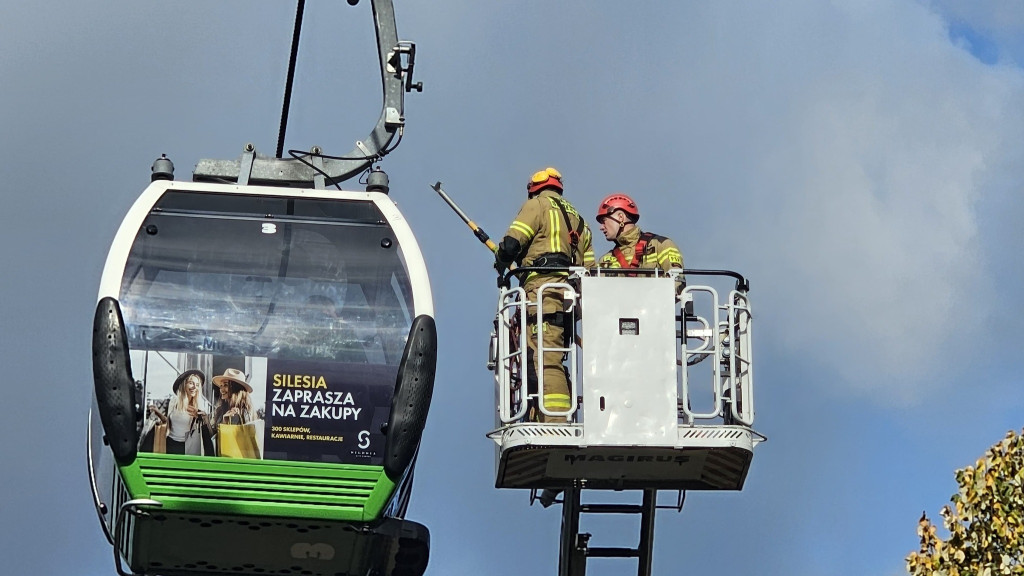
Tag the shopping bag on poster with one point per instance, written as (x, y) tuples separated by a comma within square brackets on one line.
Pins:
[(198, 441), (160, 439), (237, 441)]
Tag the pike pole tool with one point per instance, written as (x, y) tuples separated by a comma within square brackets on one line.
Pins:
[(477, 231)]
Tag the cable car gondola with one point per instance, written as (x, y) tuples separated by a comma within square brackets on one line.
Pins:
[(263, 359)]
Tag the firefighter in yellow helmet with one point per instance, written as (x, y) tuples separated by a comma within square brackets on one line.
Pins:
[(618, 214), (547, 232)]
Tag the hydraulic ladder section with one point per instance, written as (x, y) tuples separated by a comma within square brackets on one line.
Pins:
[(574, 546)]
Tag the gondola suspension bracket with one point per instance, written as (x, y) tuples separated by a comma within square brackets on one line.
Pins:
[(397, 62)]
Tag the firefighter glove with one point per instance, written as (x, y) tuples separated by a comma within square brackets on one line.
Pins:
[(506, 254)]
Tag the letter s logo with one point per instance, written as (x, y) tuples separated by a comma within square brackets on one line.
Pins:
[(364, 439)]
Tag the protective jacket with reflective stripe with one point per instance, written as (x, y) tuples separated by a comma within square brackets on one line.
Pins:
[(659, 252), (540, 227)]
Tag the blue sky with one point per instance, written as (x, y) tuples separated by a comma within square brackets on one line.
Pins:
[(860, 162)]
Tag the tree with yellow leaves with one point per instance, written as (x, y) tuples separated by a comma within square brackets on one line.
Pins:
[(985, 522)]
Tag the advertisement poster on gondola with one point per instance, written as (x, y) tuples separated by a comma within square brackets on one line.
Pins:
[(260, 408), (327, 411)]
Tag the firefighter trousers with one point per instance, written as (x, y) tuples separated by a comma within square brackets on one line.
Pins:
[(555, 392)]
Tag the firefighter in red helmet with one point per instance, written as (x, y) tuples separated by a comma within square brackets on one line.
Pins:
[(634, 248), (547, 232)]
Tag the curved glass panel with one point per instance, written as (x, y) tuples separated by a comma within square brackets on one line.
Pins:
[(305, 304), (284, 287)]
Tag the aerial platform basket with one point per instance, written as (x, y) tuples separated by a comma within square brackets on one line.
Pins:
[(661, 386)]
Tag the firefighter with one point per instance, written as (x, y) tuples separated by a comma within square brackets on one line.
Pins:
[(547, 232), (617, 214)]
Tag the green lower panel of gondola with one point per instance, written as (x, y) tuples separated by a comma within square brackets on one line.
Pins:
[(272, 488), (225, 516)]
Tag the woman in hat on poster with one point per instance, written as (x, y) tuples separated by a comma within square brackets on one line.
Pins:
[(187, 417), (235, 402), (238, 435)]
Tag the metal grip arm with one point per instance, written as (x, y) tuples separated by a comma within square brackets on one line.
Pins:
[(396, 79)]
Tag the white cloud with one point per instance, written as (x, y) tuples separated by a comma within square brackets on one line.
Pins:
[(874, 177), (834, 153)]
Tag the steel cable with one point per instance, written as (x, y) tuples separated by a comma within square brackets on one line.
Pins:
[(291, 77)]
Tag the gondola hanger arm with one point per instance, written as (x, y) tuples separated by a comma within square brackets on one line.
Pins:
[(397, 61)]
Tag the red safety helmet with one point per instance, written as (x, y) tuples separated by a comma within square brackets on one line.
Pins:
[(618, 201), (546, 178)]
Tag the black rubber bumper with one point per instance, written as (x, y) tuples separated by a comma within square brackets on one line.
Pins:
[(112, 378), (413, 391)]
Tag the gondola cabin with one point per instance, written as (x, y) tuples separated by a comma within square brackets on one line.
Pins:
[(263, 362)]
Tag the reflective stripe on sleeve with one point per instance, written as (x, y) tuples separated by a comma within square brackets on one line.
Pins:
[(671, 255), (609, 261), (523, 229), (557, 401)]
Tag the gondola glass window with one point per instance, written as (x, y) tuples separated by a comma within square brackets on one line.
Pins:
[(309, 298)]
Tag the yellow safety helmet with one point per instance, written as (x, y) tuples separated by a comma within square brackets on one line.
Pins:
[(546, 178)]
